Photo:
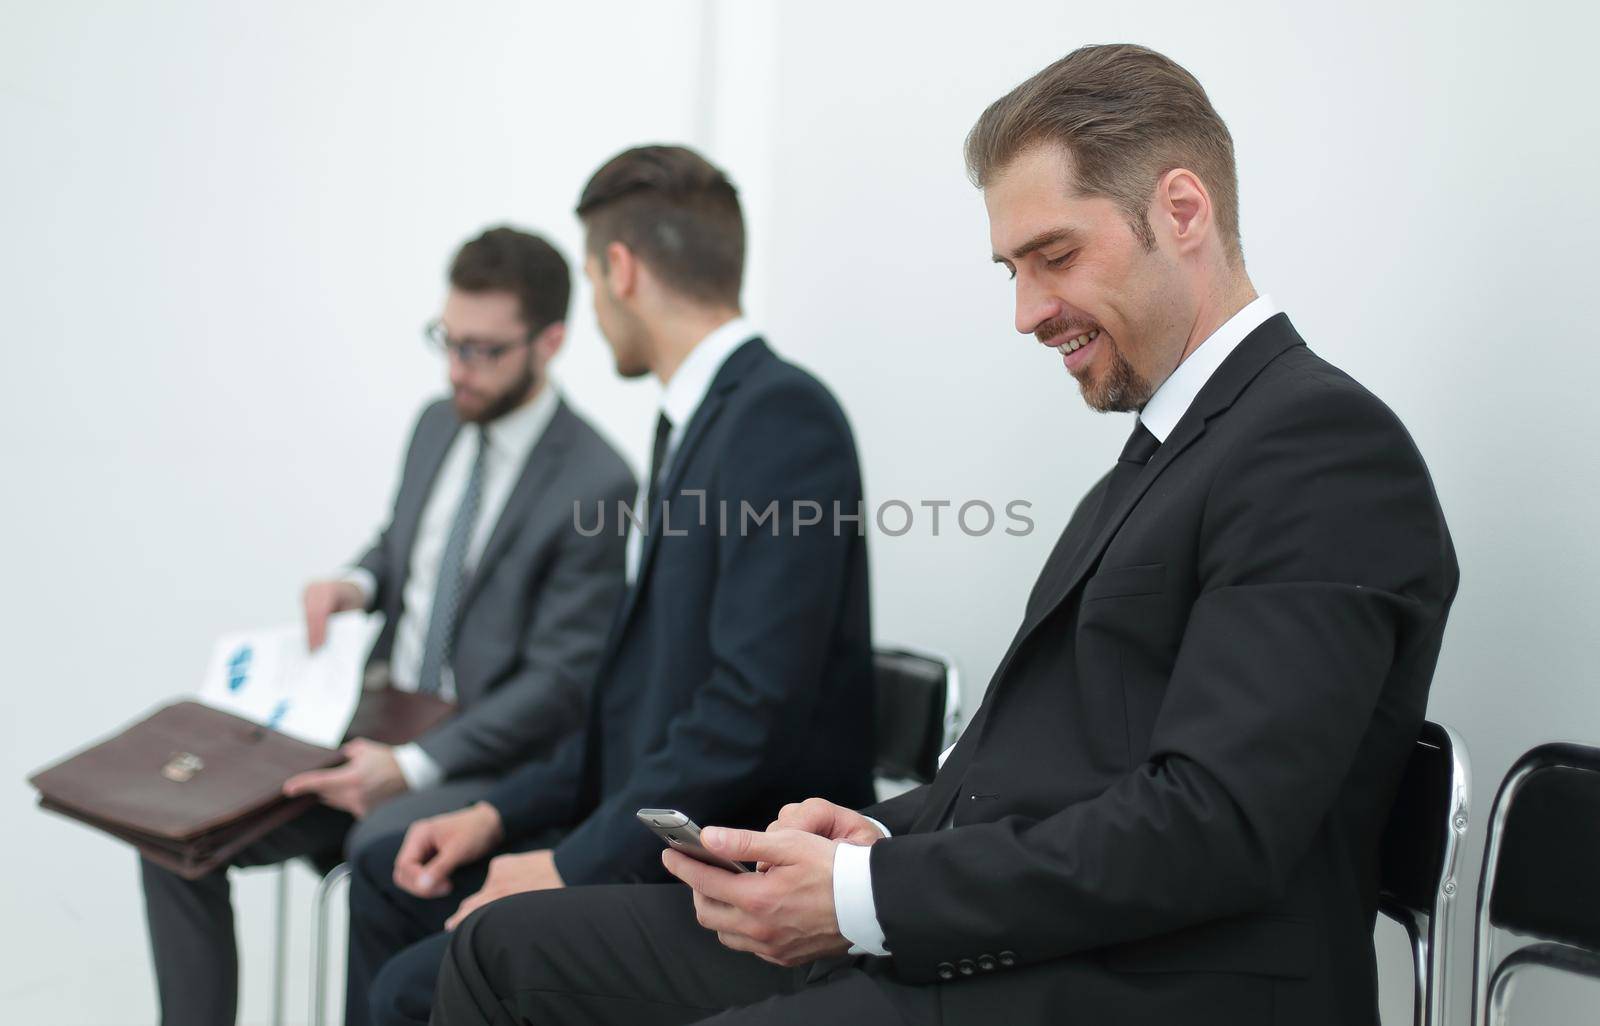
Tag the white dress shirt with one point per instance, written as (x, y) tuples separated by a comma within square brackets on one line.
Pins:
[(680, 398), (852, 866), (510, 438)]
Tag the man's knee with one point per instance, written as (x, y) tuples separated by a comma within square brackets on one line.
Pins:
[(490, 931), (402, 992)]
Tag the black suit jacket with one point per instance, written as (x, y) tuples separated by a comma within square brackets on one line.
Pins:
[(1169, 804), (738, 675)]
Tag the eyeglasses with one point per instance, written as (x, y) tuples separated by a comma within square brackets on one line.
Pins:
[(471, 353)]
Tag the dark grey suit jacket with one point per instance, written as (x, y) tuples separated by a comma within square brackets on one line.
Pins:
[(535, 612)]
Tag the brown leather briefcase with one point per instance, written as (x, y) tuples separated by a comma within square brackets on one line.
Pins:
[(191, 786)]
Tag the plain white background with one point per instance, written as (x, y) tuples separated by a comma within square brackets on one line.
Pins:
[(221, 229)]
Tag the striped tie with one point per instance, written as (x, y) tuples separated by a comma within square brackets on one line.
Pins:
[(452, 579)]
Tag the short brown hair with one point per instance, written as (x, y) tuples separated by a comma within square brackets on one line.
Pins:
[(677, 211), (508, 260), (1127, 115)]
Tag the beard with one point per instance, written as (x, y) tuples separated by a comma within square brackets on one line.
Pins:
[(1121, 389), (495, 406)]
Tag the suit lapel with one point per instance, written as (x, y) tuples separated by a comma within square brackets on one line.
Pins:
[(540, 466), (734, 370), (412, 501), (1258, 349)]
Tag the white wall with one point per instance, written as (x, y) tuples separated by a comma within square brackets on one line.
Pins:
[(220, 231)]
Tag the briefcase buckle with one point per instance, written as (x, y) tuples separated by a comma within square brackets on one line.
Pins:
[(181, 768)]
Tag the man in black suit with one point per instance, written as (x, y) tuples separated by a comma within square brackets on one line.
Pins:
[(738, 675), (1168, 807)]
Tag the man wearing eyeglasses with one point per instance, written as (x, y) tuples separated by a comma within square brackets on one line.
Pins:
[(492, 598)]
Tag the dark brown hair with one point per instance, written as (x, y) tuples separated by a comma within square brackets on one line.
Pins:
[(508, 260), (677, 212), (1127, 115)]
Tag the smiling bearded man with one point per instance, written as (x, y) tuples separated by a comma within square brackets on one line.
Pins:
[(1168, 807)]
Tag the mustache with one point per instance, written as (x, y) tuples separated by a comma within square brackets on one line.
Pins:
[(1069, 327)]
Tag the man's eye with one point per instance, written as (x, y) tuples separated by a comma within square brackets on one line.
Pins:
[(1061, 260)]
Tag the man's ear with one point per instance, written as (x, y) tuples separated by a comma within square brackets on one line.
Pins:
[(548, 342), (621, 270), (1182, 209)]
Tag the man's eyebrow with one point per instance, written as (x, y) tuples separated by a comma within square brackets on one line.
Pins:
[(1048, 237)]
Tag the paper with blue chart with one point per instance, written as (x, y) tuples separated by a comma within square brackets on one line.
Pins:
[(268, 676)]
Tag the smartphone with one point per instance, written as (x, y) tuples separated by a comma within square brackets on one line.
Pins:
[(681, 834)]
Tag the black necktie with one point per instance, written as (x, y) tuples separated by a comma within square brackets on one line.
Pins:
[(1141, 446), (658, 455)]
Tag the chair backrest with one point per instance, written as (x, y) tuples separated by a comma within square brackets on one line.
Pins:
[(1543, 881), (915, 699), (1538, 875), (1417, 839), (1417, 862)]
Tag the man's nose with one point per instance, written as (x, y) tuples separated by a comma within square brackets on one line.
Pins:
[(1035, 305)]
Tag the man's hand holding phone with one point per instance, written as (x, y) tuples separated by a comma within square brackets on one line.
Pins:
[(825, 819), (784, 913)]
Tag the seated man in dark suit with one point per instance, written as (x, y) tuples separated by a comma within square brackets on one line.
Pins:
[(738, 673), (491, 598), (1168, 807)]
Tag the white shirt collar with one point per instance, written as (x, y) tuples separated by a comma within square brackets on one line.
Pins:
[(689, 384), (514, 434), (1176, 394)]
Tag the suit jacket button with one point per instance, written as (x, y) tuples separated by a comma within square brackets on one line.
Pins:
[(986, 963), (945, 970), (1008, 958), (966, 967)]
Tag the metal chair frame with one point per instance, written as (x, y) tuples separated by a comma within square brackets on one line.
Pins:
[(1491, 981), (1429, 930), (322, 902)]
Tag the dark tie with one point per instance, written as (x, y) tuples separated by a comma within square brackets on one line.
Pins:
[(1141, 446), (658, 456), (452, 578)]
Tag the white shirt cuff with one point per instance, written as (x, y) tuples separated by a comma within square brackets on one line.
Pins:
[(417, 767), (852, 899), (364, 582)]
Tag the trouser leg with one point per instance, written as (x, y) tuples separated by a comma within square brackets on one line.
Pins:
[(191, 922), (629, 955), (385, 920), (192, 945), (402, 993), (635, 956)]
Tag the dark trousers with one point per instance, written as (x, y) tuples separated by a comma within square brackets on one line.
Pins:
[(634, 955), (396, 939), (191, 921)]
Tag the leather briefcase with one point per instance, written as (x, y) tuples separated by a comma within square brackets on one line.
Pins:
[(191, 786)]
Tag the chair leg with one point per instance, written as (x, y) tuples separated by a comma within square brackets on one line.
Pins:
[(320, 907), (280, 946), (1422, 988)]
